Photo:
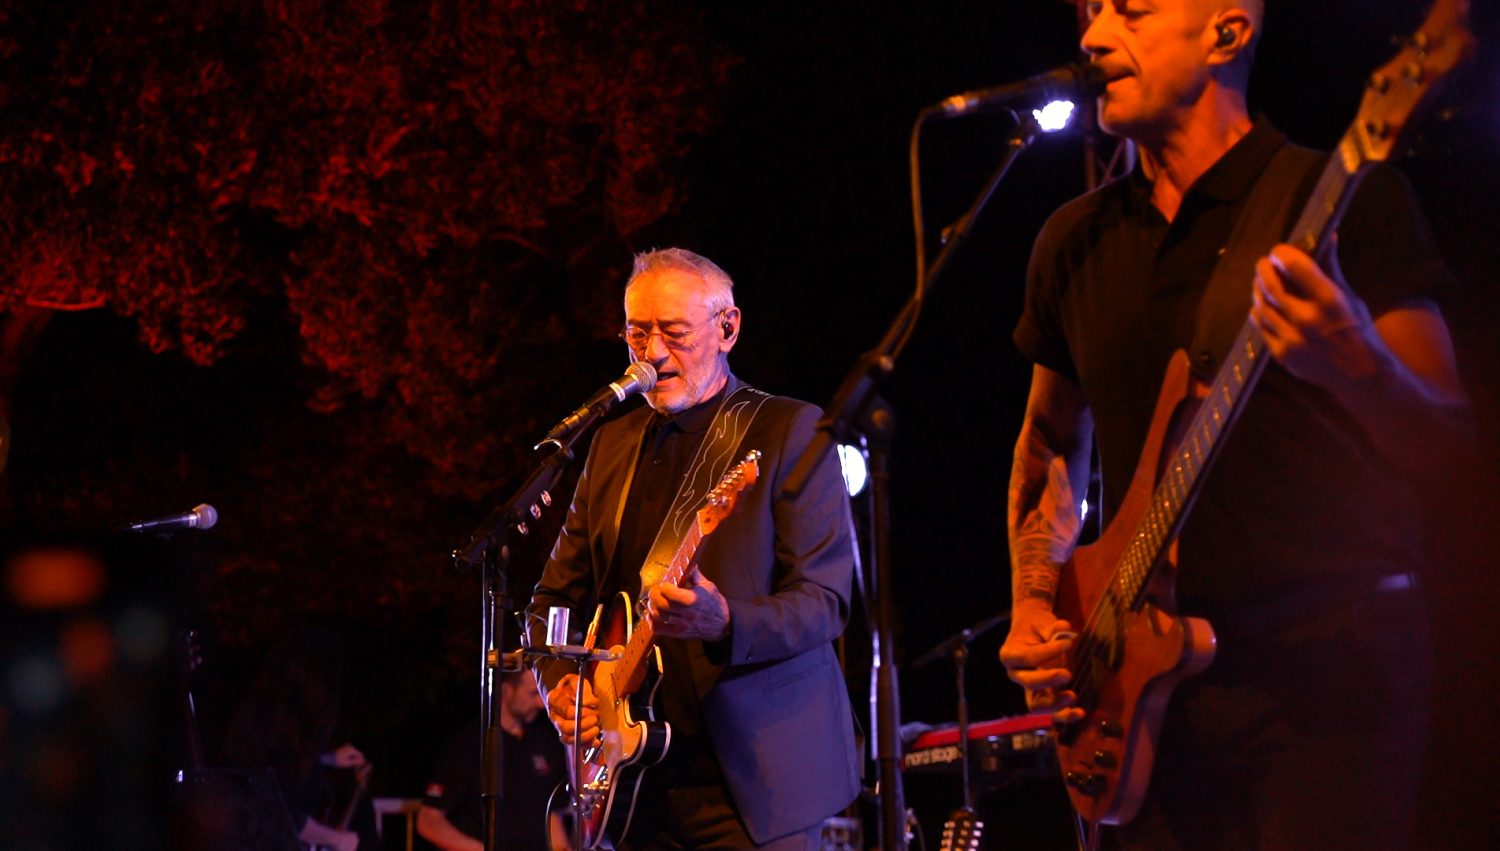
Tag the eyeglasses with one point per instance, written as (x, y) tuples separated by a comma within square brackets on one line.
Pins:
[(637, 337)]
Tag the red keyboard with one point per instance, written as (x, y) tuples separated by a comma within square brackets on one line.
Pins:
[(989, 743)]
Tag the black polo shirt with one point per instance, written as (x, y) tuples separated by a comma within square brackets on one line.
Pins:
[(1298, 494), (667, 449)]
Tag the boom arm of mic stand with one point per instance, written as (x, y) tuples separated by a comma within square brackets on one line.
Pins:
[(495, 529)]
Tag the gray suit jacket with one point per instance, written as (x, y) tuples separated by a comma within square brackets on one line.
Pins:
[(773, 696)]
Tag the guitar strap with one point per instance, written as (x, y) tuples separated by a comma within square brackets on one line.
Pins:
[(716, 454), (1264, 221)]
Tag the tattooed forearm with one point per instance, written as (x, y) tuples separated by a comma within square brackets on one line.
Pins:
[(1050, 470), (1042, 518), (1034, 559)]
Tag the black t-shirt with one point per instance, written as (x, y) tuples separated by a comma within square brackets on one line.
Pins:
[(1299, 493), (533, 769)]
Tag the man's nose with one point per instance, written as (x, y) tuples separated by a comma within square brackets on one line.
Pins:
[(656, 350), (1093, 41)]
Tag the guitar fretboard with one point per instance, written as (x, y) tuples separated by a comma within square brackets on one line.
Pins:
[(632, 665)]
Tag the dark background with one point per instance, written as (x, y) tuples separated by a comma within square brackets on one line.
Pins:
[(346, 463)]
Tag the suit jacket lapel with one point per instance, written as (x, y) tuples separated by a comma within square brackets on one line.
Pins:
[(612, 488)]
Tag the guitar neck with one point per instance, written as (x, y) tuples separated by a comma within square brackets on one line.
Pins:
[(631, 669), (1182, 479)]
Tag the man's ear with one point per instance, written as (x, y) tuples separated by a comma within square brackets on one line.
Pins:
[(1231, 32), (729, 329)]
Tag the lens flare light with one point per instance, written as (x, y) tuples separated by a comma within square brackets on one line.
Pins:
[(1054, 116), (856, 468)]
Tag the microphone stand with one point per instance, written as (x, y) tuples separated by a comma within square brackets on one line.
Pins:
[(957, 646), (858, 409), (490, 547)]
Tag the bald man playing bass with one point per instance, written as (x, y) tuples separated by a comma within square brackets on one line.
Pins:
[(1302, 549)]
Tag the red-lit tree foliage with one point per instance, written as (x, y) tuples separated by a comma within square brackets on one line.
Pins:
[(425, 192), (428, 167)]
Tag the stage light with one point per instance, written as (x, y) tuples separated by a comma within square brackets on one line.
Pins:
[(856, 468), (1054, 116)]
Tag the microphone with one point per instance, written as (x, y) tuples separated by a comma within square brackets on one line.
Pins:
[(639, 377), (202, 517), (1070, 82)]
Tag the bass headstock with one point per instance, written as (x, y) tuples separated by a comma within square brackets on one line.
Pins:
[(1398, 91)]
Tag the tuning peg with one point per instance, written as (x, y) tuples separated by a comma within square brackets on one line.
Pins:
[(1419, 41)]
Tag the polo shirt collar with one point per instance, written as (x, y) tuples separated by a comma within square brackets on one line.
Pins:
[(1236, 172), (1233, 175)]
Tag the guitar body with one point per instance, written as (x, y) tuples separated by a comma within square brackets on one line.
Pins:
[(1106, 758), (611, 773), (632, 740)]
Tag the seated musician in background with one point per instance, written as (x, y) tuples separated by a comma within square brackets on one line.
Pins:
[(286, 721), (762, 742), (1306, 730), (452, 814)]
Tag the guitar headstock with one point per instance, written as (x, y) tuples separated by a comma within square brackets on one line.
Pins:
[(724, 496), (1400, 88)]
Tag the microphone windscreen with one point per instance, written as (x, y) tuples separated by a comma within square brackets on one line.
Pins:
[(207, 516), (643, 373)]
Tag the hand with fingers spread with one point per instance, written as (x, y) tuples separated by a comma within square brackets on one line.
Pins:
[(1035, 655), (697, 610), (560, 708), (1314, 326)]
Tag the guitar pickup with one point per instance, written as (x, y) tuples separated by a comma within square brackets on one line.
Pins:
[(1086, 784)]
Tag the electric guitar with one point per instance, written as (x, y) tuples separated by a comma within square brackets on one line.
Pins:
[(609, 773), (1133, 648)]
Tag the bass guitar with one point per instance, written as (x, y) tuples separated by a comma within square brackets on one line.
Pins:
[(609, 774), (1133, 648)]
